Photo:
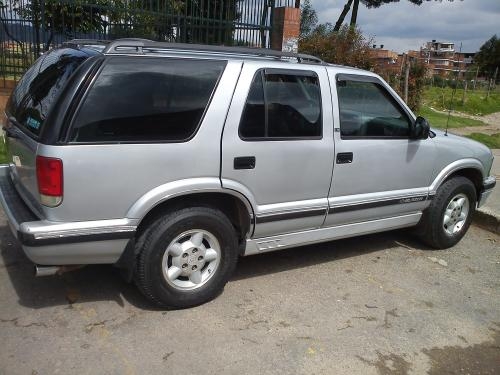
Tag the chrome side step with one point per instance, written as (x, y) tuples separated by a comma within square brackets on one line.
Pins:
[(266, 244)]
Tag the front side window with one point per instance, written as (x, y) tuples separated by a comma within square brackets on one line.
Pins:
[(147, 100), (282, 106), (367, 110)]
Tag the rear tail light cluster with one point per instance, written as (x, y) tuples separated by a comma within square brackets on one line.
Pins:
[(49, 175)]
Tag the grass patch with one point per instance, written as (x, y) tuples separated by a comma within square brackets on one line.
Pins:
[(492, 141), (475, 103), (3, 153), (438, 120)]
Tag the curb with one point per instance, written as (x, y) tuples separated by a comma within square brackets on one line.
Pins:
[(487, 219)]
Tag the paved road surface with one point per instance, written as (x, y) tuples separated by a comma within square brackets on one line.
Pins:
[(379, 304)]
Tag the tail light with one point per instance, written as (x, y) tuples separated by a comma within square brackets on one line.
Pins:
[(49, 175)]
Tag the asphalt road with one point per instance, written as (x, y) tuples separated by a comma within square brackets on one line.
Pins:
[(380, 304)]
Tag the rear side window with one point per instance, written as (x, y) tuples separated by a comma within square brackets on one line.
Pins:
[(41, 85), (147, 100), (282, 106)]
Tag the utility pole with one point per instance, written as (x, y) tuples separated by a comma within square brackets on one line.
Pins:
[(475, 80), (491, 82), (407, 76)]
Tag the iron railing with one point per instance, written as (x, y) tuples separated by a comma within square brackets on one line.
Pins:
[(29, 27)]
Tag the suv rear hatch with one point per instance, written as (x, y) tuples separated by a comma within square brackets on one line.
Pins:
[(27, 111)]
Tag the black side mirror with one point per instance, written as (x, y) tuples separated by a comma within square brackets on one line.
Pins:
[(420, 129)]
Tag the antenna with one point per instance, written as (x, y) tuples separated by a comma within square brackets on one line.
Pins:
[(457, 72)]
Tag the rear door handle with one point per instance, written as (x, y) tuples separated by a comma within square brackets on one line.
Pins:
[(244, 162), (344, 157)]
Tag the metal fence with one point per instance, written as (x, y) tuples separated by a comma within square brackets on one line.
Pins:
[(29, 27)]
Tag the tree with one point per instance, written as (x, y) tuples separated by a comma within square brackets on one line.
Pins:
[(488, 57), (308, 18), (62, 17), (346, 46), (368, 4)]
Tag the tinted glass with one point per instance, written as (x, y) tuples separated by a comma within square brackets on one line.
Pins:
[(368, 110), (253, 121), (41, 85), (292, 107), (146, 99)]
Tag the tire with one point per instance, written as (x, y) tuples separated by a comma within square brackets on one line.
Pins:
[(186, 257), (456, 199)]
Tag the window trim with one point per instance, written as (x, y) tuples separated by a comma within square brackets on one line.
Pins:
[(109, 60), (396, 101), (294, 72)]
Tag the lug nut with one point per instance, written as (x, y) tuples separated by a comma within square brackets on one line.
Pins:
[(184, 265), (194, 268), (184, 255), (195, 251), (200, 258)]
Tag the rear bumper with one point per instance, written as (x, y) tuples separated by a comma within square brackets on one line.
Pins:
[(58, 243), (488, 186)]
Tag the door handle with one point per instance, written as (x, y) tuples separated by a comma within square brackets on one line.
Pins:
[(344, 158), (244, 162)]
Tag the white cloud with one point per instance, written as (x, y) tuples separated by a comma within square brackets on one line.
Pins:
[(403, 26)]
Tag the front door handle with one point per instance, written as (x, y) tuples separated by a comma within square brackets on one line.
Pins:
[(344, 157), (244, 162)]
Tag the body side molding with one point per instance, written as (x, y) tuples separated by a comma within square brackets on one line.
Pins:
[(266, 244)]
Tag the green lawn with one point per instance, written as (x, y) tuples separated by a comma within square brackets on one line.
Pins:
[(3, 154), (492, 141), (438, 120), (476, 102)]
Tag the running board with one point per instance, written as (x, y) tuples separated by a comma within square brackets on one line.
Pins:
[(308, 237)]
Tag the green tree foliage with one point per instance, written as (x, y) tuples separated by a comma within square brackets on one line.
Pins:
[(63, 17), (308, 18), (190, 20), (346, 46), (488, 57)]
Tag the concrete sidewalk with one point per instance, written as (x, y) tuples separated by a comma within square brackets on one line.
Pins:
[(488, 216)]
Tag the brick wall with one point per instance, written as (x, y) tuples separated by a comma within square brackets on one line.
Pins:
[(286, 29)]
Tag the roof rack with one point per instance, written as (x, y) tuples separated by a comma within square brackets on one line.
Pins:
[(131, 45), (88, 43)]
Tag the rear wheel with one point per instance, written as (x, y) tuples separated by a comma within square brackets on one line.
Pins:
[(186, 257), (449, 216)]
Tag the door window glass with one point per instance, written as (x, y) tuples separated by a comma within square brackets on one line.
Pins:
[(147, 100), (368, 110), (282, 106)]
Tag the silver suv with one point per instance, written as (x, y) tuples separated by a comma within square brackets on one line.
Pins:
[(171, 161)]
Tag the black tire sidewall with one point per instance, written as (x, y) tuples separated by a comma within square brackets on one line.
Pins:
[(451, 188), (163, 232)]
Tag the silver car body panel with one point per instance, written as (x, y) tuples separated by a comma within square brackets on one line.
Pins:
[(289, 175), (295, 195)]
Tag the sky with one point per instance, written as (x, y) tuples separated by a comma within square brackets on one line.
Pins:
[(403, 26)]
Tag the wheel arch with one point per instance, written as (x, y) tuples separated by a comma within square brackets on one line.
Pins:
[(471, 169), (235, 206)]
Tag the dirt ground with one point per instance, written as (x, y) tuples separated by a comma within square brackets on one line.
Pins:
[(379, 304)]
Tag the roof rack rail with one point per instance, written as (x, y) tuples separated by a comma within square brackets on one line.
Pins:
[(140, 45), (79, 43)]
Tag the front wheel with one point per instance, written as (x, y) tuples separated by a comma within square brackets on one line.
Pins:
[(449, 216), (186, 257)]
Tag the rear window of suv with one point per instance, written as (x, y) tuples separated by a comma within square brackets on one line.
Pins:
[(39, 88), (146, 100)]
